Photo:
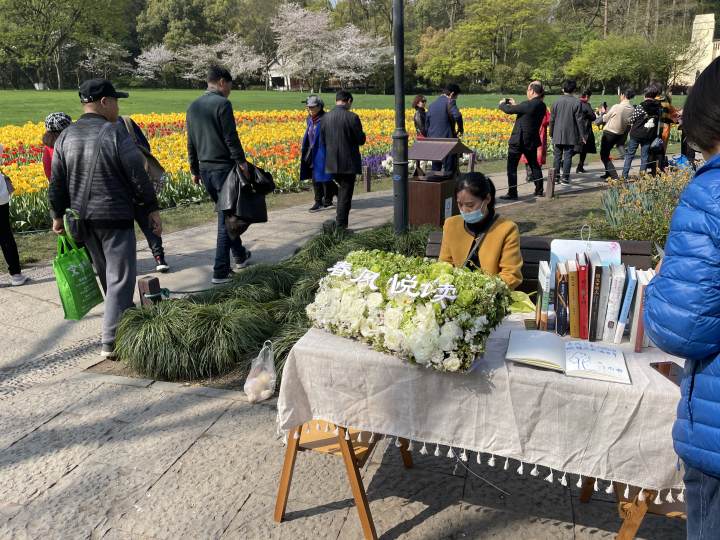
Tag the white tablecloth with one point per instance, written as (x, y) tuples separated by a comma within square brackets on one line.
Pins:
[(549, 422)]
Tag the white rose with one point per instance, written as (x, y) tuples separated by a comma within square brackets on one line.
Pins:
[(449, 334), (393, 317), (452, 363), (394, 340), (374, 300)]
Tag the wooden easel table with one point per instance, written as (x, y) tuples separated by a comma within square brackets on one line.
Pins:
[(562, 425)]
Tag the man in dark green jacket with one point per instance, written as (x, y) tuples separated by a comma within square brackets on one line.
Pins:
[(213, 150)]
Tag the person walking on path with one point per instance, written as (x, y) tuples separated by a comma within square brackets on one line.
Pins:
[(681, 308), (141, 214), (444, 121), (99, 172), (55, 123), (566, 128), (343, 134), (420, 116), (312, 156), (213, 150), (7, 240), (617, 124), (525, 137), (588, 136), (644, 128)]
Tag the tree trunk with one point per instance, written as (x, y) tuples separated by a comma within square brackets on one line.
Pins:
[(605, 20), (657, 18), (647, 18)]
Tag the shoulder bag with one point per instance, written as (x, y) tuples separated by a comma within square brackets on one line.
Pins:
[(155, 171)]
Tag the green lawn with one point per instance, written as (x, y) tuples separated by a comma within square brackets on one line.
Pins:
[(20, 106)]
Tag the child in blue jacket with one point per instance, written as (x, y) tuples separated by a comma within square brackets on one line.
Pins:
[(682, 310)]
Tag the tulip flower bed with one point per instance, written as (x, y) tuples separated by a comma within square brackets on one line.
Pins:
[(426, 312), (271, 139)]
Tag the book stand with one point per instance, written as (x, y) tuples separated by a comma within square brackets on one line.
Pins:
[(319, 436)]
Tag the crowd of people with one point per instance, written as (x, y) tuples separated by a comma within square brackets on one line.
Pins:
[(98, 177)]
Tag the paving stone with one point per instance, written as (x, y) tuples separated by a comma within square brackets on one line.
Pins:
[(161, 433), (600, 519), (245, 421), (23, 414), (408, 503), (197, 390), (38, 461), (80, 501), (255, 520), (115, 402), (102, 378), (208, 485)]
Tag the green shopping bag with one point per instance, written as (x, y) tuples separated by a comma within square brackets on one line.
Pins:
[(77, 285)]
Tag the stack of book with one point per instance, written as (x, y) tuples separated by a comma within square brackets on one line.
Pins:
[(592, 300)]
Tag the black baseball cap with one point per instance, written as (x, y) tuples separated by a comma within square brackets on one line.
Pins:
[(94, 89)]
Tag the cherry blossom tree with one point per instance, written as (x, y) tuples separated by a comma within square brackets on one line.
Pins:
[(231, 53), (155, 62), (356, 55), (305, 43)]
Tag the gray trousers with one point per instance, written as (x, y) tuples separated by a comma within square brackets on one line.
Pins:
[(114, 255)]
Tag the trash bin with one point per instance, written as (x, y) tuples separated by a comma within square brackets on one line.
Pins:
[(431, 194)]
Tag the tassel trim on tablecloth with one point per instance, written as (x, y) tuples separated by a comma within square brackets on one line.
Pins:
[(461, 454)]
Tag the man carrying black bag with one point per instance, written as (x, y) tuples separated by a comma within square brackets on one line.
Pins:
[(214, 148)]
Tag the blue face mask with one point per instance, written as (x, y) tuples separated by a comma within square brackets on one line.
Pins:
[(473, 217)]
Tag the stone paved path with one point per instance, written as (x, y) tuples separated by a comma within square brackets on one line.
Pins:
[(84, 455)]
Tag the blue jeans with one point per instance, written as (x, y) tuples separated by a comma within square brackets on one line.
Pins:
[(213, 181), (632, 147), (702, 498), (562, 158)]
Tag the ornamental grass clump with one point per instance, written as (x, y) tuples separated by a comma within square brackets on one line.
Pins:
[(211, 333), (428, 313)]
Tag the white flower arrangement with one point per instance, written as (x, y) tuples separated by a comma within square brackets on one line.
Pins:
[(426, 312)]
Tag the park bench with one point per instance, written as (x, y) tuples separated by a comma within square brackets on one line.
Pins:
[(537, 248)]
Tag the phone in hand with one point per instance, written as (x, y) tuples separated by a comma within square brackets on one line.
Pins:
[(669, 370), (604, 105), (507, 101)]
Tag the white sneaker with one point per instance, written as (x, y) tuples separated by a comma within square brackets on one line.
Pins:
[(18, 279)]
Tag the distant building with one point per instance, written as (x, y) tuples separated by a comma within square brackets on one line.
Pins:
[(705, 49), (278, 78)]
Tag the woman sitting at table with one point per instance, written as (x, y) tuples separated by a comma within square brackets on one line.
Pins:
[(478, 237)]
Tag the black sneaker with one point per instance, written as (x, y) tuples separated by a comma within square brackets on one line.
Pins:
[(565, 181), (509, 197), (243, 263), (329, 205), (222, 280), (316, 207), (580, 169), (160, 264)]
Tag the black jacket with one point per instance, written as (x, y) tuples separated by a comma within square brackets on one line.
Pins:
[(645, 119), (119, 180), (343, 134), (530, 114), (420, 119), (212, 139), (444, 120)]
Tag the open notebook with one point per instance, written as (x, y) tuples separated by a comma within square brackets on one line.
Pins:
[(574, 358)]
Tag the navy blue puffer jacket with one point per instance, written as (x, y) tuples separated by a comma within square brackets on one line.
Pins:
[(682, 316)]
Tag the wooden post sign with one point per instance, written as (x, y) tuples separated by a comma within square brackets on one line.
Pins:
[(550, 189), (151, 286)]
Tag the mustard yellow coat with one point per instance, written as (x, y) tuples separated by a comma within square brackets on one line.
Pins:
[(499, 252)]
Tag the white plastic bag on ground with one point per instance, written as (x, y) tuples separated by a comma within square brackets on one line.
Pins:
[(260, 384)]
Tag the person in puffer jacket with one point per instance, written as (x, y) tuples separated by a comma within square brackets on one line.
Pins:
[(682, 310)]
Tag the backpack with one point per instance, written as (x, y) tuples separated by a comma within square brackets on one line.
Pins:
[(643, 124)]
